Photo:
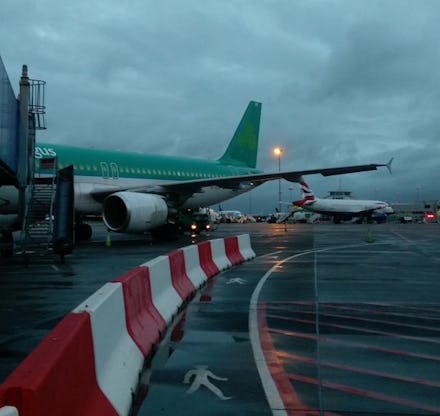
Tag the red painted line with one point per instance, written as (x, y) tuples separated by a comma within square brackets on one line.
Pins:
[(356, 344), (381, 312), (288, 394), (361, 330), (353, 369), (381, 321), (367, 309), (409, 306), (365, 393), (394, 305), (292, 402), (362, 319)]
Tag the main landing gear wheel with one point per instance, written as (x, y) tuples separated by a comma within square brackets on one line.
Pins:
[(164, 233), (83, 232), (7, 244)]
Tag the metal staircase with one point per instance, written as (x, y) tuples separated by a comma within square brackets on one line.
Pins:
[(37, 230)]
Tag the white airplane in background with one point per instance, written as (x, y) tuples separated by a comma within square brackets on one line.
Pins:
[(341, 209)]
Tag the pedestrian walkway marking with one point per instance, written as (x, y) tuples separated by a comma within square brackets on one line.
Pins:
[(201, 376), (236, 280)]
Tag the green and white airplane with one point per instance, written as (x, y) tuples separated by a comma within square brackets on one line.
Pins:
[(136, 193)]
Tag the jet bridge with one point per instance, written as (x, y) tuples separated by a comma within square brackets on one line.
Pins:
[(19, 120), (28, 202), (8, 130)]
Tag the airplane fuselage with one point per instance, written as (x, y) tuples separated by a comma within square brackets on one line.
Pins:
[(346, 210), (101, 171), (341, 207)]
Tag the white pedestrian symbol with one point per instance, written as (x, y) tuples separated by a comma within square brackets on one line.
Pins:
[(237, 280), (201, 374)]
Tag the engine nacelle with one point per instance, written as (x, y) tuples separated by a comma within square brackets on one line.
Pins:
[(133, 212)]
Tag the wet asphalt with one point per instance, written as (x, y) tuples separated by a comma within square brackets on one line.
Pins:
[(328, 319)]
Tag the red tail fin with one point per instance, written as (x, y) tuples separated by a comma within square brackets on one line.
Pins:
[(307, 194)]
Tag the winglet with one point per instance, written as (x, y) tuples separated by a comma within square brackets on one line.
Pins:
[(388, 165)]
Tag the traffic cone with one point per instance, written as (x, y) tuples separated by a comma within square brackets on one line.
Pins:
[(370, 238), (108, 242)]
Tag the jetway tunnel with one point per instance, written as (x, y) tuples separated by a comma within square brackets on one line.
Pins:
[(27, 202)]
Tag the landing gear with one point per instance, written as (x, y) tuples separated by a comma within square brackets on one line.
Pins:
[(165, 233), (83, 231), (7, 244)]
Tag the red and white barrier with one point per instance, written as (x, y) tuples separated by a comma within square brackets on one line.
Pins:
[(244, 246), (193, 267), (165, 297), (90, 362), (8, 411), (58, 377), (117, 357), (179, 277), (219, 254), (144, 322)]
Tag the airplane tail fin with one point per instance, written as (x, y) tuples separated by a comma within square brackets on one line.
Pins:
[(307, 194), (243, 147)]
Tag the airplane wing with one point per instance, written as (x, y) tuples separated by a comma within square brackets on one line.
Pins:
[(232, 182), (187, 188)]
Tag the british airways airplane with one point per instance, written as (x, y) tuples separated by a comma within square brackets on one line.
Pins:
[(341, 209)]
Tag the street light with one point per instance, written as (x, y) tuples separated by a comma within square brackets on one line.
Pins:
[(278, 151)]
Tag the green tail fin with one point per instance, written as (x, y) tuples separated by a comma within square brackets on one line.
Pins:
[(242, 150)]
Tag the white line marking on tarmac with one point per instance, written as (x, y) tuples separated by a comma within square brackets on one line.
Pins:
[(272, 394)]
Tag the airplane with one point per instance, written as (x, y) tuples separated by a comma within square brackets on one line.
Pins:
[(341, 209), (138, 193)]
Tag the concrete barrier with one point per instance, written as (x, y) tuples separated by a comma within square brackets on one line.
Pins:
[(144, 322), (179, 277), (219, 254), (232, 251), (58, 377), (8, 411), (165, 297), (90, 363), (193, 268), (118, 359), (244, 245), (206, 260)]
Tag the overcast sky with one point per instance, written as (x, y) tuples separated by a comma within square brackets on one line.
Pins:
[(341, 82)]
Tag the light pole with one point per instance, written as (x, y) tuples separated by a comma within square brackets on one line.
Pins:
[(278, 151)]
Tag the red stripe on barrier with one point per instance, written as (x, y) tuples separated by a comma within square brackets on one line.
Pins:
[(59, 376), (206, 261), (144, 322), (233, 251), (180, 280)]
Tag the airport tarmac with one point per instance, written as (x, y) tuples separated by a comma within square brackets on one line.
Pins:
[(328, 319)]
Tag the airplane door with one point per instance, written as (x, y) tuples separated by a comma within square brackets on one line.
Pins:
[(104, 170), (114, 170)]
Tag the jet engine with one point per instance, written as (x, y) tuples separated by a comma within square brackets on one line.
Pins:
[(133, 212)]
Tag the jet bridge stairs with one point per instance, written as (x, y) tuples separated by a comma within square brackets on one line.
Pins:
[(37, 231)]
